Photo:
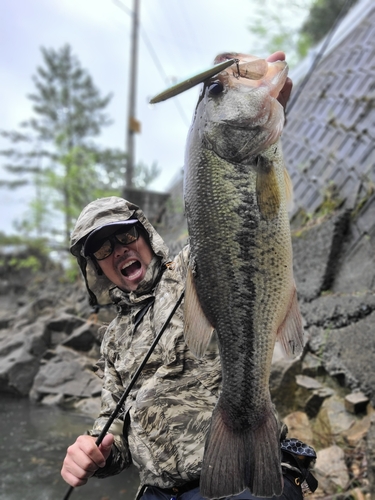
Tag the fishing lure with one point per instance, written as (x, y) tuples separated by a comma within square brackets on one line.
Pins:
[(192, 81)]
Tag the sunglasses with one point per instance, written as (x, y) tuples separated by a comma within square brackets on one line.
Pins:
[(103, 248)]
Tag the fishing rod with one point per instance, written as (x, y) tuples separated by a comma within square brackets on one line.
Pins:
[(131, 383)]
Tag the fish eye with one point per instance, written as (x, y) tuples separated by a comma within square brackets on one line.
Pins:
[(215, 88)]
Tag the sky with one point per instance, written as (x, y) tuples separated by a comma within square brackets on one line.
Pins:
[(177, 39)]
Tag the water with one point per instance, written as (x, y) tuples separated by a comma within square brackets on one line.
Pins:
[(33, 444)]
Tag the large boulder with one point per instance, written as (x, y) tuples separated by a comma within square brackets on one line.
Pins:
[(24, 344), (332, 422), (66, 374), (331, 471), (19, 357), (283, 384), (357, 265), (84, 337), (336, 310), (348, 354), (316, 250)]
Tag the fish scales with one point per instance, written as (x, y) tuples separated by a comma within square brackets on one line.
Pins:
[(241, 280)]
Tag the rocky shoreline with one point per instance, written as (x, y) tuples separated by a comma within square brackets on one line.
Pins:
[(50, 338)]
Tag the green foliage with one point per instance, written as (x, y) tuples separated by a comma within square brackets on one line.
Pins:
[(111, 165), (71, 272), (293, 26), (276, 25), (54, 151), (19, 254), (30, 263), (322, 16), (331, 200)]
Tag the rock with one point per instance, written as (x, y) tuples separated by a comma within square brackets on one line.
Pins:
[(65, 375), (53, 399), (337, 310), (283, 383), (82, 338), (47, 349), (41, 305), (19, 358), (316, 339), (349, 353), (354, 435), (299, 427), (5, 321), (315, 254), (356, 402), (61, 326), (308, 383), (331, 422), (10, 343), (330, 470), (65, 323), (310, 395), (370, 455), (316, 399), (88, 406), (357, 267), (312, 365), (17, 371)]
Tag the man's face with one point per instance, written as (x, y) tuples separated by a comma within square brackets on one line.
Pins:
[(127, 265)]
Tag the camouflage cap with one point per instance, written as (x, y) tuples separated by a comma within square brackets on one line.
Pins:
[(96, 215)]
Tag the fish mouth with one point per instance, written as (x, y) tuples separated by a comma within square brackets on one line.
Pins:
[(131, 269), (246, 117), (253, 72)]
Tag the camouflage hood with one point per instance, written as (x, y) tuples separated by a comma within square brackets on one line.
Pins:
[(99, 213)]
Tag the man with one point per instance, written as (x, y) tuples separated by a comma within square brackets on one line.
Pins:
[(168, 412), (163, 425)]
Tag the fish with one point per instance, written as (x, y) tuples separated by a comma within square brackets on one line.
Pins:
[(240, 286)]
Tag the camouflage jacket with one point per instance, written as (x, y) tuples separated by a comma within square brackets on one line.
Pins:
[(163, 425)]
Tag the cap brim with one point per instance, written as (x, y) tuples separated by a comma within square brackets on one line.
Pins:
[(102, 232)]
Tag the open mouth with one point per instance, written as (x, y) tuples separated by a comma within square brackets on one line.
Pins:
[(131, 269)]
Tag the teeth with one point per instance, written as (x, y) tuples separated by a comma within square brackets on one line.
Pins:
[(128, 264)]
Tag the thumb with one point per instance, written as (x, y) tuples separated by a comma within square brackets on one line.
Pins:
[(105, 445)]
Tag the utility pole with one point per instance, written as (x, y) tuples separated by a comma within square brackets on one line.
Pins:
[(133, 123)]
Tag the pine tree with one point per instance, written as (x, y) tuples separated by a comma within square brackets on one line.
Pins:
[(55, 152)]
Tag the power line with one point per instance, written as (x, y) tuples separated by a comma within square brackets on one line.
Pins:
[(154, 58), (163, 74)]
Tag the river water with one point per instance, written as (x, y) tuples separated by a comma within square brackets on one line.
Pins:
[(33, 443)]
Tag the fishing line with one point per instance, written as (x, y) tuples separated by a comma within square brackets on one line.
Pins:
[(131, 383), (320, 54)]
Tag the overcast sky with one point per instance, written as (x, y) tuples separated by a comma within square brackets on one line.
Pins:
[(177, 39), (185, 35)]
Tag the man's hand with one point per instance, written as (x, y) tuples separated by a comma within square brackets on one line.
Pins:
[(83, 458), (287, 89)]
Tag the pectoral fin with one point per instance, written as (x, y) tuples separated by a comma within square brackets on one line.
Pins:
[(290, 332), (288, 191), (197, 329)]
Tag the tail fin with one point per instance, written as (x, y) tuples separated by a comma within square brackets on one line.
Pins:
[(236, 460)]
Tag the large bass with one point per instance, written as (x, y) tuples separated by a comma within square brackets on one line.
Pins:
[(240, 282)]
